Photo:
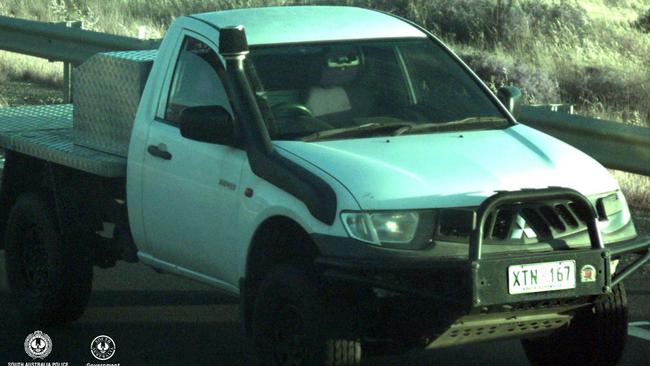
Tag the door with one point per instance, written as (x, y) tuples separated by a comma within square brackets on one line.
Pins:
[(190, 189)]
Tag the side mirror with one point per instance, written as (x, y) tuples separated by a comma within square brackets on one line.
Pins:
[(212, 124), (511, 97)]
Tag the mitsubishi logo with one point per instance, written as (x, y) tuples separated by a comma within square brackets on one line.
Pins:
[(522, 229)]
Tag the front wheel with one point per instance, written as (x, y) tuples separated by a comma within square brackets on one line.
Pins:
[(292, 325), (595, 337), (50, 278)]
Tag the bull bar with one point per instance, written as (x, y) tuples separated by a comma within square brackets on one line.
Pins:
[(480, 280)]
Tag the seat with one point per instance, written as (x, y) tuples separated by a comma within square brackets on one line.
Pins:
[(323, 101), (330, 95)]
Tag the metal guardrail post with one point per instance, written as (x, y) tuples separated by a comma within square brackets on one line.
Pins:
[(68, 68)]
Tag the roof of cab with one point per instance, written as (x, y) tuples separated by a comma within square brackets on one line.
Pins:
[(306, 24)]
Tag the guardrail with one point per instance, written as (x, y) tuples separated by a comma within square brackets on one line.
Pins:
[(56, 42), (615, 145)]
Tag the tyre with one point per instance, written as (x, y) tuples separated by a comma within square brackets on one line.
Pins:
[(293, 325), (50, 278), (595, 337)]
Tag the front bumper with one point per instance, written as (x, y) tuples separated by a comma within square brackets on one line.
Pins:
[(477, 285), (482, 282)]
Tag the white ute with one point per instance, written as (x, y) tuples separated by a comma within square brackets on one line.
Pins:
[(339, 170)]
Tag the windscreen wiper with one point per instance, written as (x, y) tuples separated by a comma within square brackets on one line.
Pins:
[(470, 123), (355, 131)]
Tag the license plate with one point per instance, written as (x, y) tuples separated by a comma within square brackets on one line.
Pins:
[(541, 277)]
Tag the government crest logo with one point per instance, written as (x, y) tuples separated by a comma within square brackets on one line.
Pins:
[(38, 345), (102, 347), (588, 273)]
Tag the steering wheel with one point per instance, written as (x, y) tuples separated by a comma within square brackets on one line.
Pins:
[(292, 110)]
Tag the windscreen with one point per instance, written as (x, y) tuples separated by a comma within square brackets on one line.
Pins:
[(362, 89)]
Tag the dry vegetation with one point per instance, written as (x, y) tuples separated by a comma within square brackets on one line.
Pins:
[(592, 53)]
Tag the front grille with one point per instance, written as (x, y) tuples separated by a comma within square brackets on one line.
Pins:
[(552, 217), (566, 216), (535, 222), (580, 212), (502, 225)]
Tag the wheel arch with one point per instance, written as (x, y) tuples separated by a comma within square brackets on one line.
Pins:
[(278, 239)]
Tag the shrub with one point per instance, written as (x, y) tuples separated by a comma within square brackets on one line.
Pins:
[(463, 21), (643, 23), (546, 18), (605, 88), (492, 21), (497, 71), (468, 21)]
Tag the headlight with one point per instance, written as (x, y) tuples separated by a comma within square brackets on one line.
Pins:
[(392, 229)]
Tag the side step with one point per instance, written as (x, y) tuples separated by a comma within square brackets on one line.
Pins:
[(489, 327)]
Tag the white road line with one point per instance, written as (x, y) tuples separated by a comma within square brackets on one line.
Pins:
[(635, 330)]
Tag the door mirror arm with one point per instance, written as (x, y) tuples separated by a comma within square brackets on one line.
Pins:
[(511, 97)]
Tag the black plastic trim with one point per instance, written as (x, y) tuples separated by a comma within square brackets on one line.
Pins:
[(157, 152), (314, 192)]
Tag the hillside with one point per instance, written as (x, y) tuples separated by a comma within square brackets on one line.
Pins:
[(586, 52)]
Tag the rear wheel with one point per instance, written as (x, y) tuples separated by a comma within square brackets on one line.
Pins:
[(51, 279), (595, 337), (292, 324)]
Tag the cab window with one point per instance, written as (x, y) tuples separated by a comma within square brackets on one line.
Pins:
[(196, 82)]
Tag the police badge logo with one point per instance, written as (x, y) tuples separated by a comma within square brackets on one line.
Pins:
[(102, 347), (38, 345)]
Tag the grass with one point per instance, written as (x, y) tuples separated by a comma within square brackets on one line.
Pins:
[(25, 68), (636, 189), (592, 53)]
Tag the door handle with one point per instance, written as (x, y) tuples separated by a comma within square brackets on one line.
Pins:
[(158, 152)]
